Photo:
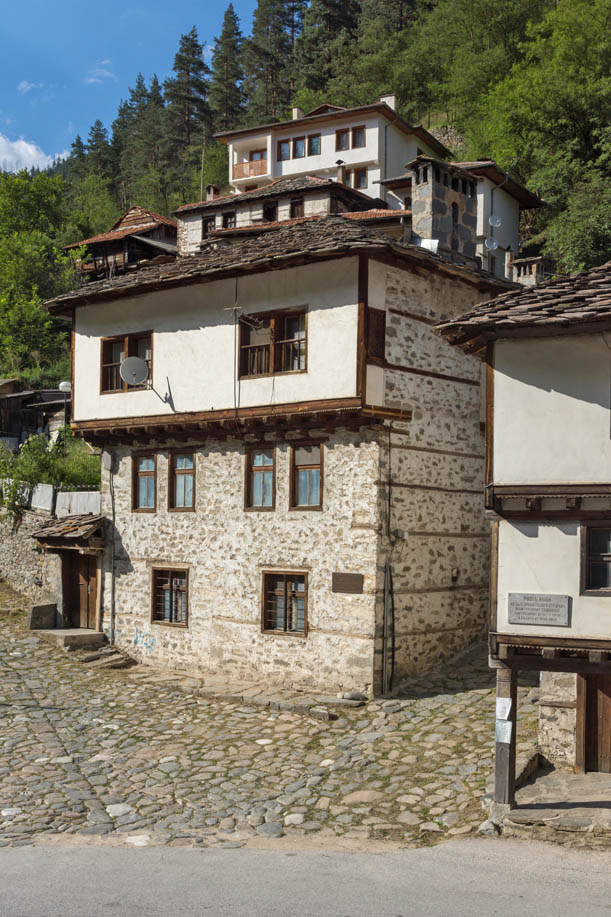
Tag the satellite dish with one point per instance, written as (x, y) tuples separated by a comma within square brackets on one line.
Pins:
[(495, 221), (491, 244), (134, 371)]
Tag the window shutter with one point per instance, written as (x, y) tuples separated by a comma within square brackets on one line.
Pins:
[(376, 335)]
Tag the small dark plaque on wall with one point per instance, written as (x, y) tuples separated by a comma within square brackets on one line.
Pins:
[(347, 582)]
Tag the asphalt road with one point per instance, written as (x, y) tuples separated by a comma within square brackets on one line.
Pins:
[(470, 877)]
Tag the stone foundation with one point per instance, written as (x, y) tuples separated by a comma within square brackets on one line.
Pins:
[(558, 717)]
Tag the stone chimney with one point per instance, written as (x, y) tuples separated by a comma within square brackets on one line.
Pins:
[(444, 209), (341, 171), (389, 99), (212, 192), (297, 113)]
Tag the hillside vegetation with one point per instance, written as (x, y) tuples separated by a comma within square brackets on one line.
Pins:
[(525, 82)]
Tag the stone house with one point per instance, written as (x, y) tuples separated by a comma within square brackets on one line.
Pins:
[(548, 494), (293, 486)]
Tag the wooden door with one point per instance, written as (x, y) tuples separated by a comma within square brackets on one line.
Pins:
[(83, 583), (598, 723)]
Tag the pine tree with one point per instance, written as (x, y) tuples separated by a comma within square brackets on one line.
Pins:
[(226, 95), (186, 94), (77, 161), (327, 24), (267, 54), (100, 159)]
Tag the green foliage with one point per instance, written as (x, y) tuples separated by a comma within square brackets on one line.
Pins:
[(226, 94), (67, 464)]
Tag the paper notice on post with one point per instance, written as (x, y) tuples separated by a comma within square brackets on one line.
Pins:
[(503, 731), (503, 708)]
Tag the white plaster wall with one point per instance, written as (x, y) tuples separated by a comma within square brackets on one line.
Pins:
[(544, 558), (552, 410), (508, 209), (194, 342), (401, 149), (311, 165)]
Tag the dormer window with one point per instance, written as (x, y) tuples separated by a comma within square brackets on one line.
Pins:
[(342, 139), (299, 147), (358, 137), (284, 150), (229, 220)]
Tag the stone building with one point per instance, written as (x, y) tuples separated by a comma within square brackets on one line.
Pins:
[(548, 493), (294, 487)]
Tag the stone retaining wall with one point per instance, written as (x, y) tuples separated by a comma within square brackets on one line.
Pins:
[(558, 716), (22, 565)]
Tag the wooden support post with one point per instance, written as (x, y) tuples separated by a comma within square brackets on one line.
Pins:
[(505, 748)]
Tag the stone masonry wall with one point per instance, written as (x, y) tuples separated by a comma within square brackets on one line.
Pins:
[(22, 565), (558, 716), (226, 550), (435, 202), (441, 569)]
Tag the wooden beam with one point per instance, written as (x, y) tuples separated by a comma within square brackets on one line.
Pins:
[(581, 724), (505, 745)]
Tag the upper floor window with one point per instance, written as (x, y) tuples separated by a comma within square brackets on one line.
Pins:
[(117, 349), (299, 147), (229, 220), (284, 150), (257, 155), (208, 226), (596, 559), (314, 145), (306, 477), (273, 343), (297, 208), (270, 212), (144, 483), (170, 597), (260, 489), (181, 489), (359, 178), (358, 137), (342, 139)]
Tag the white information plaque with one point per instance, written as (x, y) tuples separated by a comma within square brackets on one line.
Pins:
[(542, 610)]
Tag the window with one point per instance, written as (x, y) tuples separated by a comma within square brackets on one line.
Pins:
[(342, 140), (117, 349), (360, 178), (299, 147), (376, 336), (306, 477), (285, 603), (596, 559), (257, 155), (181, 486), (208, 226), (358, 137), (273, 343), (229, 220), (144, 483), (270, 212), (260, 489), (296, 208), (314, 145), (170, 597), (284, 150)]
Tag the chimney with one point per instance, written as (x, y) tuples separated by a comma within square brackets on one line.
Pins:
[(341, 171), (444, 209), (297, 113), (212, 192), (389, 99)]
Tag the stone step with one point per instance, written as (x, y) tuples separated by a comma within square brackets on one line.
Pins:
[(113, 660), (72, 637)]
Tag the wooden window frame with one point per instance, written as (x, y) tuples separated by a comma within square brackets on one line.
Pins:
[(273, 318), (278, 146), (294, 147), (296, 203), (172, 472), (293, 505), (230, 216), (135, 476), (356, 172), (262, 158), (314, 137), (358, 146), (171, 569), (338, 132), (248, 467), (205, 222), (375, 317), (585, 528), (299, 635), (268, 206), (128, 346)]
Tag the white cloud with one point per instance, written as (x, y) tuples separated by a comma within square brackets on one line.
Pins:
[(99, 75), (106, 63), (26, 86), (22, 154)]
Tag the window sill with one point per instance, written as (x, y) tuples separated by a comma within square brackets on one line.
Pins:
[(305, 509), (181, 509), (284, 633), (137, 509), (259, 509), (170, 624), (601, 593), (285, 372)]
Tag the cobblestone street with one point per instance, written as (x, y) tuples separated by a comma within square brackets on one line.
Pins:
[(100, 754)]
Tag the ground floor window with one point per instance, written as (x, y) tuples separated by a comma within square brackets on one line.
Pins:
[(170, 597), (285, 603)]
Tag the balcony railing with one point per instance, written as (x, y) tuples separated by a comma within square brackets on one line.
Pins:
[(249, 169)]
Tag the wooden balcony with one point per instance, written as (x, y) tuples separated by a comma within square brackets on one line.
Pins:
[(249, 169)]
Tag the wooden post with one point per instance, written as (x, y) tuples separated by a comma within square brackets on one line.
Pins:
[(505, 748)]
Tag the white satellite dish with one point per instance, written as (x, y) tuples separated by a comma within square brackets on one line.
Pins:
[(491, 244), (134, 371), (495, 221)]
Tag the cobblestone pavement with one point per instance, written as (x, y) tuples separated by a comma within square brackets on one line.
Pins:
[(96, 754)]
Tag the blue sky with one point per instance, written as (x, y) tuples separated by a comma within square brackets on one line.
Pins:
[(62, 65)]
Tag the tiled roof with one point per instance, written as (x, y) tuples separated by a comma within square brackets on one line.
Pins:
[(278, 187), (135, 220), (376, 214), (271, 226), (74, 527), (581, 301), (489, 168), (114, 234), (307, 241)]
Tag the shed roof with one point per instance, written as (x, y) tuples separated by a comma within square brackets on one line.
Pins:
[(577, 304), (76, 528), (135, 220)]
